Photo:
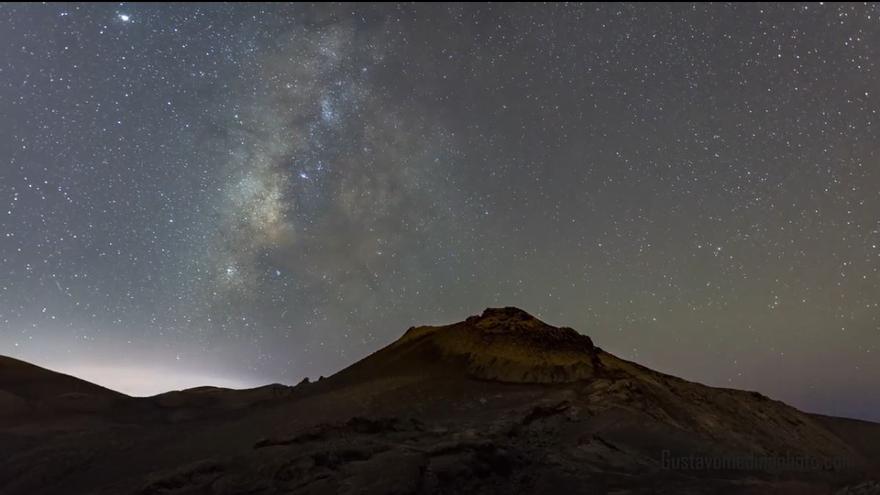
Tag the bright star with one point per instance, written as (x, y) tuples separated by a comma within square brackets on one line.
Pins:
[(124, 17)]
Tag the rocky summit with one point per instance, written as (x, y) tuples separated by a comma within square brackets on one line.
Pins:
[(508, 345)]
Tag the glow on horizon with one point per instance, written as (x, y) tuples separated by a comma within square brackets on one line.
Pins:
[(140, 381)]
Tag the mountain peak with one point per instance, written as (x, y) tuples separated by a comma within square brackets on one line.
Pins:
[(507, 312), (504, 344), (508, 317), (530, 331)]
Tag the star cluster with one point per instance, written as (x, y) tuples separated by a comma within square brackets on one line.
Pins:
[(254, 193)]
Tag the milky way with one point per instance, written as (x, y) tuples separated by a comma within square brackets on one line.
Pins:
[(249, 193)]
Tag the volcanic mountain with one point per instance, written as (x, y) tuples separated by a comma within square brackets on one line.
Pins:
[(499, 403)]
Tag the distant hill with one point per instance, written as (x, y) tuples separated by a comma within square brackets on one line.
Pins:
[(35, 392)]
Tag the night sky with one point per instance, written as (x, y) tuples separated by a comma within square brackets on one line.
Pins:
[(243, 194)]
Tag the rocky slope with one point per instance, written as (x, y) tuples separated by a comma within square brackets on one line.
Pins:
[(498, 403)]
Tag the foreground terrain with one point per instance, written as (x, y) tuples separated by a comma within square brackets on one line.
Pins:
[(498, 403)]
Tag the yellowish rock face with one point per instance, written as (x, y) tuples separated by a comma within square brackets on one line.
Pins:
[(510, 345)]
